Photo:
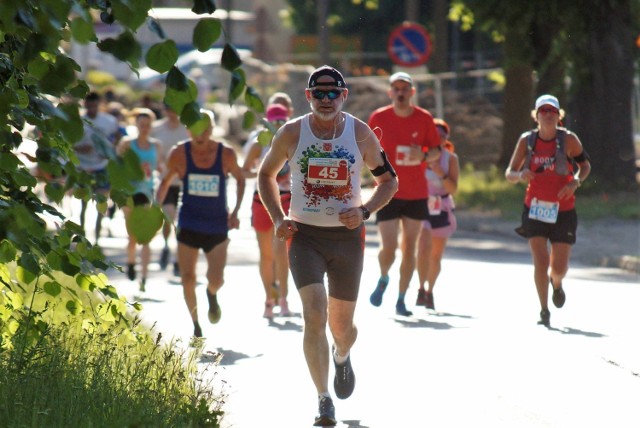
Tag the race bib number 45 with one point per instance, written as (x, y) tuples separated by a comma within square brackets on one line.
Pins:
[(204, 185), (544, 211), (328, 171)]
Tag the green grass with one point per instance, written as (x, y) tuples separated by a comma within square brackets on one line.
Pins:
[(488, 191), (80, 379)]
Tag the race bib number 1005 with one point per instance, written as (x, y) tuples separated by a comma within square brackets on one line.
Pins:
[(328, 171), (544, 211)]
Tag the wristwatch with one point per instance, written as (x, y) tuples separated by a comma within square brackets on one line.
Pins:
[(365, 213)]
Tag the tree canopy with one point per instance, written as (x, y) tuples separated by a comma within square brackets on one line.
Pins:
[(39, 87)]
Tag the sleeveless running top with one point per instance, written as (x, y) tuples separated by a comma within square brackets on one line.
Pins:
[(204, 198), (149, 163), (547, 183), (325, 175)]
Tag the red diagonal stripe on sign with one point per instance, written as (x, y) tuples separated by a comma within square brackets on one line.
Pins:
[(409, 45)]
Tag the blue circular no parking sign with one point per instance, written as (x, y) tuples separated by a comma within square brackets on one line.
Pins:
[(409, 45)]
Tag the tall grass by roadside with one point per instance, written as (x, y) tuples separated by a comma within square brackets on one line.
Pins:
[(489, 191), (75, 378)]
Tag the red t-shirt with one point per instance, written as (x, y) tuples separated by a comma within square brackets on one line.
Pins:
[(396, 135), (546, 184)]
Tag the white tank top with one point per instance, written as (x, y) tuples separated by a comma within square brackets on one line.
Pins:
[(325, 176)]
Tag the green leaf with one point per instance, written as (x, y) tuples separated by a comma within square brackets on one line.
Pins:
[(162, 56), (206, 32), (29, 262), (24, 275), (177, 100), (125, 48), (54, 260), (204, 6), (54, 191), (237, 85), (248, 120), (190, 114), (83, 31), (144, 222), (177, 80), (200, 126), (230, 58), (73, 307), (7, 251), (252, 100), (131, 14), (52, 288), (264, 137)]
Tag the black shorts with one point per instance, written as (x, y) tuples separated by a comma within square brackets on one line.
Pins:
[(336, 251), (412, 208), (204, 241), (140, 199), (173, 196), (563, 230)]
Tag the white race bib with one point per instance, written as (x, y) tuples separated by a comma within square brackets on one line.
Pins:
[(328, 171), (204, 185), (434, 203), (544, 211), (402, 156)]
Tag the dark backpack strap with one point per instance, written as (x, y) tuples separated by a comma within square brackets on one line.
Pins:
[(532, 136), (562, 161)]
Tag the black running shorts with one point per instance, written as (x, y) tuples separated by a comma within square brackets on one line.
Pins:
[(336, 251), (563, 230), (412, 208), (203, 241)]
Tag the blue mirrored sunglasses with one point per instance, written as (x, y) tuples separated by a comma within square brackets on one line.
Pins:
[(320, 94)]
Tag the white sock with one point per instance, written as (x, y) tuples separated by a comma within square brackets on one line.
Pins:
[(339, 359), (323, 395)]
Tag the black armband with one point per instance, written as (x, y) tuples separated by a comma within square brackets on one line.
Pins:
[(384, 168), (584, 156)]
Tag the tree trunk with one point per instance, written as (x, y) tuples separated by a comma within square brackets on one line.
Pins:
[(439, 61), (602, 105), (518, 95)]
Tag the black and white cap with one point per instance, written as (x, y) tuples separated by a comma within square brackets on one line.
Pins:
[(326, 70)]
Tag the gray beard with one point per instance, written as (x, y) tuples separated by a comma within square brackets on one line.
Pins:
[(324, 116)]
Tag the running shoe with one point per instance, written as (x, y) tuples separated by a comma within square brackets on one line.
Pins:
[(344, 381), (131, 271), (401, 309), (429, 303), (284, 308), (176, 269), (376, 296), (420, 301), (545, 318), (214, 308), (164, 258), (558, 298), (326, 413)]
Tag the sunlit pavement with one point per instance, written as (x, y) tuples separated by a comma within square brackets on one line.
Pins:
[(479, 360)]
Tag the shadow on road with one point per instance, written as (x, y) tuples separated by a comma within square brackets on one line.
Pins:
[(354, 424), (575, 331), (230, 357), (287, 325), (420, 323)]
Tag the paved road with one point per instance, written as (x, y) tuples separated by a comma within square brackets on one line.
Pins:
[(479, 360)]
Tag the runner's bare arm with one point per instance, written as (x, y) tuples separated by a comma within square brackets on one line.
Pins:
[(176, 165), (514, 172), (387, 183), (233, 168), (278, 154)]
